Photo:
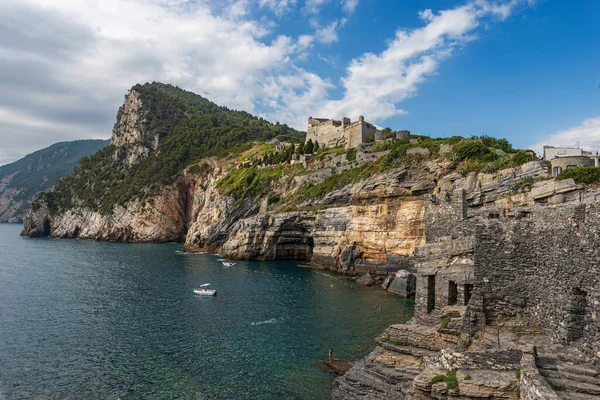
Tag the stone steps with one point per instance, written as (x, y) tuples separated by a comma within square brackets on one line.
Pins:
[(566, 385), (552, 365), (569, 376), (554, 374), (575, 396)]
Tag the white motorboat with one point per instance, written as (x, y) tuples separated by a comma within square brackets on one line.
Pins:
[(228, 264), (205, 290)]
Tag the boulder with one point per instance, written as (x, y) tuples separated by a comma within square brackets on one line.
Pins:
[(366, 280), (386, 283), (404, 284)]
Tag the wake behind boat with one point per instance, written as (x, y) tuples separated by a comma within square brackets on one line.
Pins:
[(205, 290)]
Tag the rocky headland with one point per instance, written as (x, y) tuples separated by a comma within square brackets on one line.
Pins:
[(501, 257)]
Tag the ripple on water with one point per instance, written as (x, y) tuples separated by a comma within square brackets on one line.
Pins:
[(83, 319)]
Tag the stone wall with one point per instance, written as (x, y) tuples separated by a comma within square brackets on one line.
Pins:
[(445, 274), (545, 270), (332, 133), (559, 164)]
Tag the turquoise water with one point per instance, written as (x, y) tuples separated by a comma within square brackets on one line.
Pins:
[(84, 319)]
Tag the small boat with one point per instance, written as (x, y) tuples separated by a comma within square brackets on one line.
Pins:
[(205, 290), (228, 264)]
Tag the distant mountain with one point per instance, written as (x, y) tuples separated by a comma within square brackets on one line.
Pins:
[(21, 181)]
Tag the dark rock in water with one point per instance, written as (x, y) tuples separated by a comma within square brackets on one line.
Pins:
[(348, 256), (340, 367), (36, 223), (366, 280), (386, 283), (403, 284)]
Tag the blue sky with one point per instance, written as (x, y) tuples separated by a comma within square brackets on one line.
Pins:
[(521, 69)]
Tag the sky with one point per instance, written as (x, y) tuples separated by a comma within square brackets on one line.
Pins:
[(525, 70)]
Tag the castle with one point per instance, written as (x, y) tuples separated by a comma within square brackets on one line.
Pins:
[(332, 133)]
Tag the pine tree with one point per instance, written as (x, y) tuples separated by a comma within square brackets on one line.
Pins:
[(316, 148), (309, 147), (300, 148)]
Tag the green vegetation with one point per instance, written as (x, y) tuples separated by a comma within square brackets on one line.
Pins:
[(518, 373), (449, 318), (200, 169), (398, 154), (381, 146), (473, 150), (325, 151), (518, 392), (248, 182), (581, 174), (467, 377), (260, 150), (445, 322), (351, 155), (189, 128), (449, 378), (391, 341), (309, 147), (476, 336), (42, 169), (337, 181)]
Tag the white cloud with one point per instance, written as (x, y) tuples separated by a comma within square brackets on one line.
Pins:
[(65, 65), (62, 61), (375, 83), (328, 34), (349, 5), (586, 135), (313, 6), (279, 7)]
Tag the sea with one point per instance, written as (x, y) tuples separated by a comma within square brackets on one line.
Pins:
[(84, 319)]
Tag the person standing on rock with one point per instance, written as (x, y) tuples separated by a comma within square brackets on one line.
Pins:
[(330, 355)]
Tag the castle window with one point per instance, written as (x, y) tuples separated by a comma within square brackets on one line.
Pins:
[(452, 293), (430, 293)]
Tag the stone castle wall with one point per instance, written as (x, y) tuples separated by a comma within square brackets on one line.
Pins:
[(332, 133)]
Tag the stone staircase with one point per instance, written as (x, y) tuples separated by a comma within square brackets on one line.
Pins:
[(569, 376)]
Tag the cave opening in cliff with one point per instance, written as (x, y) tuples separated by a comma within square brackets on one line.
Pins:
[(468, 290), (430, 293), (452, 293), (576, 315)]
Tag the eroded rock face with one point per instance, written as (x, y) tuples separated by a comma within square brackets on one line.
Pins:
[(128, 133), (36, 223), (129, 127), (277, 237), (161, 220)]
